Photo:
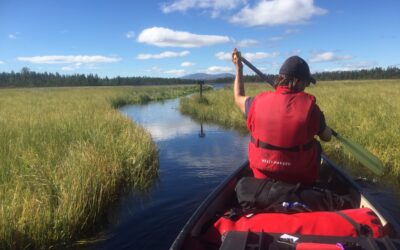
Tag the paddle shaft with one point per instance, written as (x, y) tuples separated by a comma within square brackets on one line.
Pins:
[(259, 73)]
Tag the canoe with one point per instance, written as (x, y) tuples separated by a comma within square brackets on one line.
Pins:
[(362, 191)]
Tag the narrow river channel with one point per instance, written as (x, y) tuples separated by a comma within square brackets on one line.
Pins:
[(194, 159)]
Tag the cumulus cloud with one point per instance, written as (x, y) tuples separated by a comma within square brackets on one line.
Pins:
[(275, 38), (247, 43), (71, 67), (353, 66), (68, 59), (328, 57), (154, 69), (277, 12), (218, 69), (177, 72), (248, 56), (291, 31), (130, 34), (215, 6), (187, 64), (13, 35), (223, 55), (260, 55), (164, 37), (73, 62), (293, 52), (165, 54)]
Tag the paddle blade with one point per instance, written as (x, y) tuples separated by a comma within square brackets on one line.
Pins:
[(362, 155)]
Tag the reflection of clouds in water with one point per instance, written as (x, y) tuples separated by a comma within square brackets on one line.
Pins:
[(168, 130), (216, 155), (162, 120), (182, 152)]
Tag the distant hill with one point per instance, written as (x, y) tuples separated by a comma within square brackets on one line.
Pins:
[(204, 76)]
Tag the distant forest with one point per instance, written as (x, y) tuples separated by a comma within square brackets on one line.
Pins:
[(28, 78), (365, 74)]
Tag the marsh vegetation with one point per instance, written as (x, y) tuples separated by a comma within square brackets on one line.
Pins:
[(66, 155)]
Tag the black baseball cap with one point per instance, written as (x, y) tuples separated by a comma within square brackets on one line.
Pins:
[(296, 66)]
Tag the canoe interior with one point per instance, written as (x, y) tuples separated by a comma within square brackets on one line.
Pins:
[(223, 198)]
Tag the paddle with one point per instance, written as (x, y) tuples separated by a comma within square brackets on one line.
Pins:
[(361, 154)]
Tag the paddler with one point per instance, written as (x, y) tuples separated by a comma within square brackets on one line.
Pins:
[(283, 124)]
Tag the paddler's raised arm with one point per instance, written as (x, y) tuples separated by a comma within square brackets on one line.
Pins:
[(238, 85)]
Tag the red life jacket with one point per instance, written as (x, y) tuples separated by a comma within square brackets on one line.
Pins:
[(281, 120), (311, 223)]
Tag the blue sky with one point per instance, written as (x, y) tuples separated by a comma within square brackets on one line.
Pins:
[(172, 38)]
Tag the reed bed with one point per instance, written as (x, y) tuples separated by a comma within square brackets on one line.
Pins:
[(368, 112), (66, 155)]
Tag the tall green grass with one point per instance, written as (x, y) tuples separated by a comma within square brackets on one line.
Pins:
[(366, 111), (152, 94), (66, 155)]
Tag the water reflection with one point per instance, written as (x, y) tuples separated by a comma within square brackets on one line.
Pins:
[(191, 166), (220, 85), (162, 120), (201, 134)]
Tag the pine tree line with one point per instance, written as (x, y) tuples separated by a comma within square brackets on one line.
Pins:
[(28, 78), (365, 74)]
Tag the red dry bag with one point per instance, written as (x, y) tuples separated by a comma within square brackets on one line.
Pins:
[(346, 223)]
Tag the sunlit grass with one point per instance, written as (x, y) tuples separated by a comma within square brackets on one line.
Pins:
[(368, 112), (66, 155)]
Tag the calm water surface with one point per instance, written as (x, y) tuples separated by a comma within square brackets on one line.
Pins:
[(194, 159)]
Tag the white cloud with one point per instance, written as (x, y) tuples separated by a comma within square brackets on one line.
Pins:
[(218, 69), (260, 55), (154, 69), (247, 43), (328, 57), (68, 59), (73, 62), (1, 62), (165, 54), (248, 56), (71, 67), (291, 31), (215, 6), (275, 38), (293, 52), (187, 64), (224, 56), (164, 37), (277, 12), (130, 34), (13, 35), (177, 72), (353, 66)]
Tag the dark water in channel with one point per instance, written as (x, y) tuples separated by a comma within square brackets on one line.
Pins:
[(194, 159)]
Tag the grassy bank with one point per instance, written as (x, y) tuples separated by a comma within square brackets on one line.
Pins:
[(152, 94), (65, 156), (365, 111)]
